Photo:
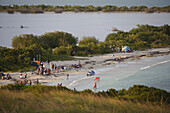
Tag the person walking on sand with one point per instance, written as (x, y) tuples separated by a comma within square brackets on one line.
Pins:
[(95, 87), (67, 76)]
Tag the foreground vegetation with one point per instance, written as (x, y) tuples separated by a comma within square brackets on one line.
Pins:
[(90, 8), (20, 98), (62, 46)]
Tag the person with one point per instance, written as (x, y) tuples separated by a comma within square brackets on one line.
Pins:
[(30, 82), (58, 84), (41, 70), (2, 77), (45, 70), (25, 75), (79, 64), (55, 66), (97, 78), (49, 71), (75, 89), (51, 67), (20, 75), (43, 65), (95, 86), (61, 84), (67, 76), (25, 82), (38, 70), (8, 76)]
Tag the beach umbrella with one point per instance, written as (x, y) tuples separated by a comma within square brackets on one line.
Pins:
[(37, 61)]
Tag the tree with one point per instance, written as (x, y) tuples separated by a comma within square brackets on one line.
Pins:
[(87, 40)]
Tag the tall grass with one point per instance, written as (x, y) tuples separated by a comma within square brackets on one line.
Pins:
[(70, 102)]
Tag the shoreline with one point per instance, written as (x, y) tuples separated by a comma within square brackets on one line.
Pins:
[(102, 64), (71, 12)]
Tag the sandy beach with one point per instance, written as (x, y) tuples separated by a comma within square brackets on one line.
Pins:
[(103, 65)]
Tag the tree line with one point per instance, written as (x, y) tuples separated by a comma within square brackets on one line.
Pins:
[(52, 45), (76, 8), (29, 46), (143, 37)]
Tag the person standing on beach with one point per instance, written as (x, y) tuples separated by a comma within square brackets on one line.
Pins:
[(20, 75), (38, 70), (25, 75), (95, 86), (49, 71), (51, 66), (67, 76)]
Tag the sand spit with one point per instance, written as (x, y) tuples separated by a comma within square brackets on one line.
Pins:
[(95, 62)]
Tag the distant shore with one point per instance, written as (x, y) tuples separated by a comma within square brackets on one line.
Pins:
[(59, 9), (93, 63), (52, 12)]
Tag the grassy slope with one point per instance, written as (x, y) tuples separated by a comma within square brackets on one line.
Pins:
[(66, 101)]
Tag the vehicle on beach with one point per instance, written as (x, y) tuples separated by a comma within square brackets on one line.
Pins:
[(91, 73)]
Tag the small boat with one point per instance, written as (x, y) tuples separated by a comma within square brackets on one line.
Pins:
[(90, 73)]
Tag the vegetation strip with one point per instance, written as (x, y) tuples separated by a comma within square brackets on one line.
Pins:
[(76, 9), (38, 98)]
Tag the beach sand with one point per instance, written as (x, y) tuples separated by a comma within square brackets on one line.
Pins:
[(103, 65)]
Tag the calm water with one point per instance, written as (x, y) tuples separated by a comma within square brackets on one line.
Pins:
[(156, 76), (98, 25), (128, 3), (152, 72)]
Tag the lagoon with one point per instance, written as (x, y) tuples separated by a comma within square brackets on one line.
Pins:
[(82, 24)]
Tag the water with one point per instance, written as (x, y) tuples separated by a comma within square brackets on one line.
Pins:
[(149, 3), (152, 72), (156, 76), (98, 25)]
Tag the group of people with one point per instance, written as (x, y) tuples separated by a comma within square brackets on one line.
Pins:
[(118, 59), (23, 76), (7, 76), (25, 82), (41, 70), (23, 79)]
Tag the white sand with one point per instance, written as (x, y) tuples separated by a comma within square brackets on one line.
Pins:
[(102, 64)]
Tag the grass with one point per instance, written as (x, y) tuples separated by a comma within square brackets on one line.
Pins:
[(57, 100)]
